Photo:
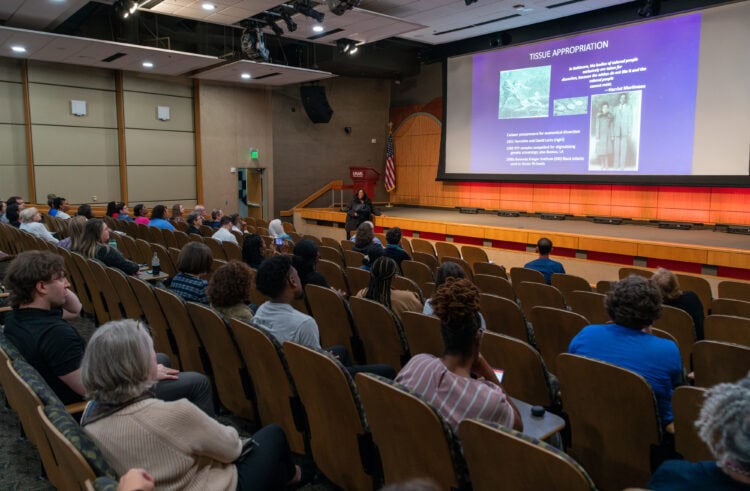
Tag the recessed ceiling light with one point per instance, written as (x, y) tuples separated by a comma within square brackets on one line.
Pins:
[(208, 6), (18, 49), (318, 28), (246, 76), (147, 64)]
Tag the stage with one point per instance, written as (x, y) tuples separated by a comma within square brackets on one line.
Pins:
[(641, 244)]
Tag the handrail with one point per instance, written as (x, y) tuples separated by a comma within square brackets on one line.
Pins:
[(317, 194)]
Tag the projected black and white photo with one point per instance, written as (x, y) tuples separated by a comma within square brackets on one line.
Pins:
[(524, 93), (615, 131)]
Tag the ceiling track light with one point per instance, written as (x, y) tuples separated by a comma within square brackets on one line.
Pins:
[(306, 9), (271, 22), (291, 26), (125, 8), (339, 7), (347, 46)]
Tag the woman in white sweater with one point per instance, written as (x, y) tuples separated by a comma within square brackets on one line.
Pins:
[(176, 442), (31, 222)]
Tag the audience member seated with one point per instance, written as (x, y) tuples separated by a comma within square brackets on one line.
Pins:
[(75, 233), (306, 256), (51, 199), (253, 250), (393, 249), (38, 327), (445, 271), (141, 214), (194, 264), (3, 208), (123, 212), (238, 224), (724, 425), (159, 218), (216, 216), (277, 279), (201, 210), (12, 212), (60, 208), (85, 211), (281, 240), (448, 383), (399, 301), (673, 296), (544, 264), (364, 237), (224, 234), (111, 209), (16, 200), (229, 290), (360, 210), (94, 245), (182, 446), (194, 221), (372, 253), (177, 212), (634, 303), (31, 222)]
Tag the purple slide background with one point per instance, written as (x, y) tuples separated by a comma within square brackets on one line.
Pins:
[(667, 48)]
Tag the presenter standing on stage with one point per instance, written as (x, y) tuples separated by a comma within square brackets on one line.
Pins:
[(360, 210)]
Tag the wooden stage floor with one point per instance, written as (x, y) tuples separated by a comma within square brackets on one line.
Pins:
[(696, 251)]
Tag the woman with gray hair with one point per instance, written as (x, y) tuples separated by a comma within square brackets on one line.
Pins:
[(31, 222), (182, 447), (724, 426)]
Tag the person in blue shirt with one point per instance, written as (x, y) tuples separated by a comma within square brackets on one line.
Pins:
[(634, 303), (394, 249), (724, 426), (544, 264), (159, 218)]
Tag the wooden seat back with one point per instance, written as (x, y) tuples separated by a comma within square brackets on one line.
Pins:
[(504, 316), (334, 275), (627, 271), (686, 407), (715, 362), (422, 333), (446, 249), (338, 430), (428, 259), (567, 283), (230, 376), (94, 287), (727, 329), (164, 341), (74, 470), (165, 260), (679, 324), (728, 306), (357, 278), (418, 272), (143, 251), (423, 246), (353, 259), (382, 337), (128, 301), (588, 304), (554, 329), (495, 285), (232, 251), (531, 294), (334, 319), (736, 290), (413, 439), (490, 269), (519, 275), (473, 254), (613, 420), (216, 248), (403, 283), (192, 352), (333, 255), (109, 293), (525, 464)]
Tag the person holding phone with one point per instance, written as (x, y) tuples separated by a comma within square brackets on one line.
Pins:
[(281, 240), (448, 382)]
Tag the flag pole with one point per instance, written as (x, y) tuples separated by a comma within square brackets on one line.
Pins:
[(390, 135)]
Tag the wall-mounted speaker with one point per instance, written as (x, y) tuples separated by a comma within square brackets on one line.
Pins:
[(315, 103)]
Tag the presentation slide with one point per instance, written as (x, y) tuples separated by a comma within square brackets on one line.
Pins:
[(616, 102)]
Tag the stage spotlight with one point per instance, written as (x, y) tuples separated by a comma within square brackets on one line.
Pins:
[(291, 26), (125, 8), (347, 46), (650, 8), (308, 11), (338, 7), (254, 45)]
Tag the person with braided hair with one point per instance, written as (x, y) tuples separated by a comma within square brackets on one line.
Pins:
[(382, 272), (448, 382), (724, 426)]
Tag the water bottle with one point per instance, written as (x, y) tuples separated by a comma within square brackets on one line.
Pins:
[(155, 265), (112, 243)]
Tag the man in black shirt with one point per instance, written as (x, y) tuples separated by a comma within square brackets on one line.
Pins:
[(37, 327), (393, 249)]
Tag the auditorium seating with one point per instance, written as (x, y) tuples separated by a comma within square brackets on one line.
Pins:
[(554, 329), (495, 285), (532, 294), (728, 329), (381, 333), (334, 275), (715, 362), (490, 269), (567, 283), (422, 333), (519, 275), (334, 320), (588, 304), (504, 316), (686, 405), (679, 324)]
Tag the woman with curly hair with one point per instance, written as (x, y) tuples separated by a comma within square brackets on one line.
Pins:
[(724, 426), (382, 272), (229, 290), (634, 303), (447, 382)]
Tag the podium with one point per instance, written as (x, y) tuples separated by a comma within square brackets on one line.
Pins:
[(365, 178)]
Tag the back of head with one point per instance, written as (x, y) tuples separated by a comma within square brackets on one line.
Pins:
[(381, 274), (138, 209), (89, 242), (544, 245), (51, 199), (305, 255), (724, 425), (667, 283), (225, 220), (633, 302), (159, 212), (12, 212), (120, 207), (447, 270), (176, 210), (76, 228), (191, 218), (195, 258), (116, 366), (85, 211), (364, 235), (273, 275), (12, 200), (252, 251), (372, 253), (230, 285), (111, 208), (27, 215), (393, 236), (28, 269), (456, 303), (58, 202)]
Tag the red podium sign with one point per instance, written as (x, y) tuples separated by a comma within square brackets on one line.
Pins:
[(365, 178)]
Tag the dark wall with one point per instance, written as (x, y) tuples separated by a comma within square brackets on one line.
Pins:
[(307, 156)]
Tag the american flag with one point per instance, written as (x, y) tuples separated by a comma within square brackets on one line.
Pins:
[(390, 165)]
